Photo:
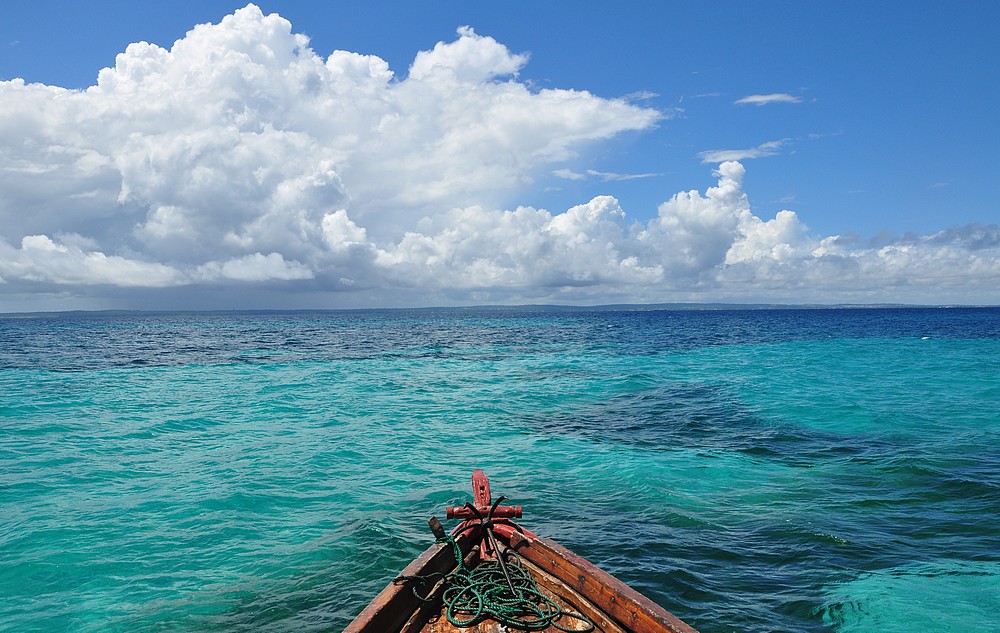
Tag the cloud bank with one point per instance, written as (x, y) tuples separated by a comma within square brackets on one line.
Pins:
[(243, 162)]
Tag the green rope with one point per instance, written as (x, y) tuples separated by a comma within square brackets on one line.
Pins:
[(474, 595)]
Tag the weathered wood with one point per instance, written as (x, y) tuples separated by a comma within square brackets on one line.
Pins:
[(566, 596), (634, 611), (569, 579), (396, 603), (481, 496), (426, 611)]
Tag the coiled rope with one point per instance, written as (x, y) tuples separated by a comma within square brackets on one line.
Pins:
[(502, 590)]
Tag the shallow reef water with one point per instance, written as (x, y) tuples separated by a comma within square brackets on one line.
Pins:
[(750, 470)]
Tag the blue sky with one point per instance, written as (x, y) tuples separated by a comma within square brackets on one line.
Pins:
[(870, 121)]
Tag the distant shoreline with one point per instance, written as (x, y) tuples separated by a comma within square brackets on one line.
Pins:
[(625, 307)]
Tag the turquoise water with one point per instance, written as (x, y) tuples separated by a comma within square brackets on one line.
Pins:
[(787, 470)]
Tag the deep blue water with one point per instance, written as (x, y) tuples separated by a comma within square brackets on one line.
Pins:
[(757, 470)]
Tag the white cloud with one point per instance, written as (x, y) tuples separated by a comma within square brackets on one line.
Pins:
[(44, 260), (770, 148), (761, 100), (569, 174), (694, 232), (240, 158), (782, 239), (605, 176), (472, 59), (255, 267)]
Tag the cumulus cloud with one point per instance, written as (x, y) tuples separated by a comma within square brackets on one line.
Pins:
[(42, 259), (255, 267), (241, 159)]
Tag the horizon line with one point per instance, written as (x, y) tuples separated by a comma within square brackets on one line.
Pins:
[(611, 307)]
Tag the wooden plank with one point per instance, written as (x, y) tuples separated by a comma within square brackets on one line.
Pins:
[(611, 604), (396, 603), (634, 611), (567, 597), (481, 495)]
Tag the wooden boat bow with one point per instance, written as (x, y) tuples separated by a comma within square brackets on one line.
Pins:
[(420, 599)]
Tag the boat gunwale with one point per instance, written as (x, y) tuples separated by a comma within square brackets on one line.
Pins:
[(396, 604), (397, 608), (626, 606)]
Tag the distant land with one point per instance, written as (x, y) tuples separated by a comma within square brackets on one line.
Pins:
[(616, 307)]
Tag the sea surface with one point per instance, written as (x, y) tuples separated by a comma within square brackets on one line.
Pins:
[(750, 470)]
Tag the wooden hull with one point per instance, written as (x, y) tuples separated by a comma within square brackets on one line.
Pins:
[(607, 604)]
